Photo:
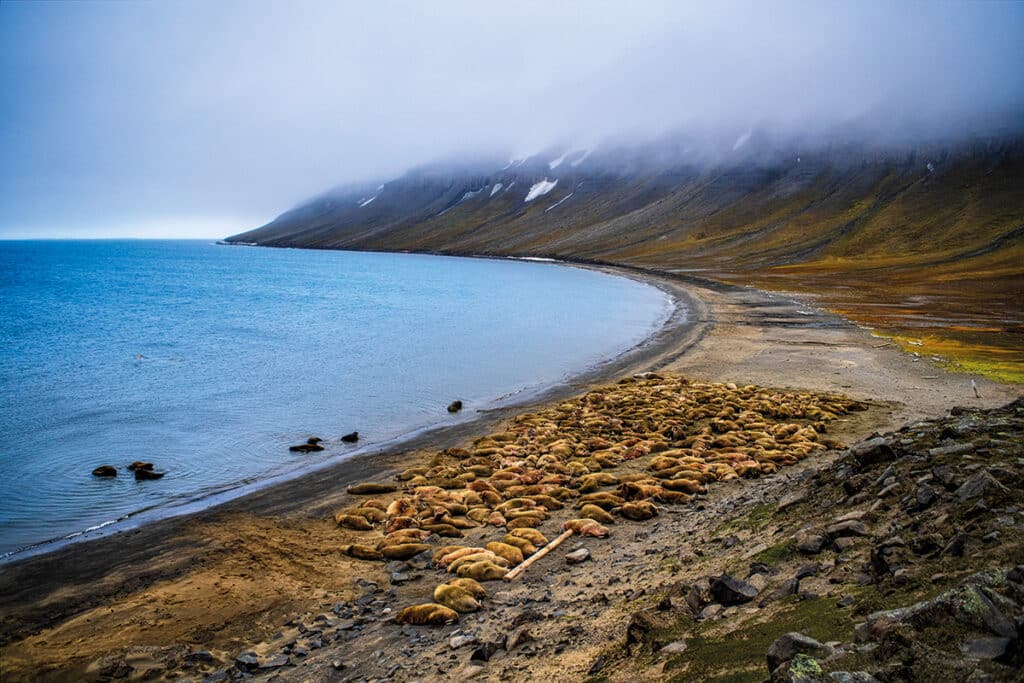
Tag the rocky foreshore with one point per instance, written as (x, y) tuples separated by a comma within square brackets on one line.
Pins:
[(896, 559)]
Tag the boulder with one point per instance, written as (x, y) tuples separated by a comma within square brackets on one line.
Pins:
[(350, 438), (728, 590), (105, 471), (850, 527), (792, 644), (144, 474), (979, 485), (873, 451), (140, 465), (810, 544), (454, 406)]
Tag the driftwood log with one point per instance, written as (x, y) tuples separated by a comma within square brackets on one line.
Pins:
[(511, 576)]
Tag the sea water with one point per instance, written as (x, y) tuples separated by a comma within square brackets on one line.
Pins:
[(210, 360)]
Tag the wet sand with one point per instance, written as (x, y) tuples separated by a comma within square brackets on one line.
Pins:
[(226, 577)]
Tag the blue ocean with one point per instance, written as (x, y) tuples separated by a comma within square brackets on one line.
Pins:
[(210, 360)]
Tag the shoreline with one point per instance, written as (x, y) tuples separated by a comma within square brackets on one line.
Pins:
[(29, 574), (269, 554), (676, 307)]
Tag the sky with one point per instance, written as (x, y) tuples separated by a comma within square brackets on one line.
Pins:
[(204, 119)]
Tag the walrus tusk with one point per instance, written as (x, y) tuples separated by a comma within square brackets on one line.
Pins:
[(537, 555)]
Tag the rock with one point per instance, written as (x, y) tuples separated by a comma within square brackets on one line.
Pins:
[(199, 656), (792, 644), (272, 662), (306, 448), (400, 577), (979, 485), (851, 527), (808, 570), (337, 665), (518, 638), (455, 642), (785, 589), (314, 439), (710, 612), (966, 604), (986, 648), (801, 669), (873, 451), (729, 590), (485, 651), (790, 499), (140, 465), (810, 544), (216, 676), (844, 543), (698, 596), (852, 677), (577, 556), (677, 647), (246, 661), (143, 474), (454, 406), (350, 438), (954, 449), (105, 471), (758, 581), (596, 667), (925, 496)]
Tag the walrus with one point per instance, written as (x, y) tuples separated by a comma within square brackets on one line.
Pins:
[(510, 553), (370, 488), (404, 551), (524, 522), (455, 597), (586, 527), (524, 546), (482, 571), (361, 552), (428, 614), (457, 552), (638, 511), (597, 514), (446, 530), (483, 556), (532, 535), (355, 522)]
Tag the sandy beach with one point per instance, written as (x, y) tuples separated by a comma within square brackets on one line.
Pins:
[(232, 578)]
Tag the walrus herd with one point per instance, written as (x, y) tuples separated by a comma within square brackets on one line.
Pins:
[(666, 437)]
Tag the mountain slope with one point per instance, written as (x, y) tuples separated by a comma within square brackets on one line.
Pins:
[(918, 239)]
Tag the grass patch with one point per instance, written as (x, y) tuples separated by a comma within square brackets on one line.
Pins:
[(745, 648)]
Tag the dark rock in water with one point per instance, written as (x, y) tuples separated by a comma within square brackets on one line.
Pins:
[(455, 406), (313, 440), (306, 448), (142, 474), (729, 590), (105, 471), (140, 465), (792, 644), (351, 438), (873, 451)]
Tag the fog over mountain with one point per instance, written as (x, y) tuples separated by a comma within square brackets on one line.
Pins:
[(209, 118)]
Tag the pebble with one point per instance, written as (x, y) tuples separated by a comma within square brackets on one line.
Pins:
[(577, 556)]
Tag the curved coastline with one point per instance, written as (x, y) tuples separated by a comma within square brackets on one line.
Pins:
[(682, 308), (274, 547)]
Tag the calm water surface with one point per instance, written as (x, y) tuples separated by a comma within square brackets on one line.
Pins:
[(210, 360)]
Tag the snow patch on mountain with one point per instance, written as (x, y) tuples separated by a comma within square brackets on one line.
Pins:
[(540, 189), (578, 161), (559, 202), (555, 163), (496, 189), (742, 140), (367, 202)]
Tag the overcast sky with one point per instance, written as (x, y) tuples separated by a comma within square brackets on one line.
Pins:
[(208, 118)]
